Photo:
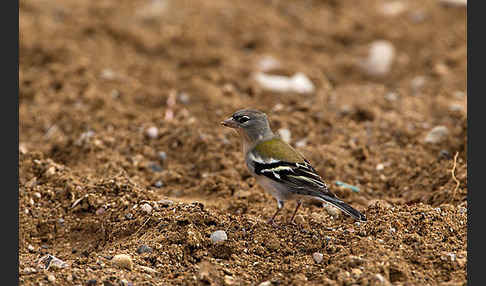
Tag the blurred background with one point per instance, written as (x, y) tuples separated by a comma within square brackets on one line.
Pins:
[(120, 102)]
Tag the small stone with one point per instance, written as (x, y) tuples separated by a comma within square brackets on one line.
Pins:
[(158, 184), (100, 211), (380, 167), (91, 282), (51, 278), (391, 96), (165, 203), (417, 16), (229, 280), (301, 143), (331, 210), (108, 74), (155, 167), (218, 236), (268, 63), (318, 257), (51, 171), (437, 135), (454, 3), (37, 195), (123, 260), (162, 155), (265, 283), (455, 107), (417, 84), (22, 148), (152, 132), (146, 208), (285, 134), (29, 270), (354, 261), (147, 269), (30, 248), (184, 98), (129, 216), (356, 272), (380, 58), (393, 8), (144, 249)]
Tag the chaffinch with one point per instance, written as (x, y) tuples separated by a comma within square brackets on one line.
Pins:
[(278, 168)]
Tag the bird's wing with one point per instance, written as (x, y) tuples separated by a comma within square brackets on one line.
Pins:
[(295, 172)]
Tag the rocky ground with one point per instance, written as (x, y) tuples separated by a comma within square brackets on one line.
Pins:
[(126, 176)]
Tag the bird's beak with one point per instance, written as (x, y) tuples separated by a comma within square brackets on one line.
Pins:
[(229, 122)]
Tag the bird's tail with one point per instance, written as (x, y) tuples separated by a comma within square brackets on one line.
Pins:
[(349, 210)]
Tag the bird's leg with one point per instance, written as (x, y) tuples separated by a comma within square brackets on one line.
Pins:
[(295, 212), (280, 205)]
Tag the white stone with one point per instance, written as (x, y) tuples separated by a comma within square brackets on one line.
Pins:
[(219, 235), (393, 8), (152, 132), (123, 260), (318, 257), (437, 135), (380, 58), (298, 83), (146, 208)]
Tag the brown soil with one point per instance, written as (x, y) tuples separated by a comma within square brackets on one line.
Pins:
[(95, 75)]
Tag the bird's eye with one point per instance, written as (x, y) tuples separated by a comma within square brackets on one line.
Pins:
[(243, 119)]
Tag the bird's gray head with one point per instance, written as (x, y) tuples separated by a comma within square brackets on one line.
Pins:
[(250, 123)]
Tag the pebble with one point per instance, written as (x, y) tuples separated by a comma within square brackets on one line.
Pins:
[(285, 134), (318, 257), (100, 211), (219, 235), (158, 184), (155, 167), (301, 143), (123, 260), (91, 282), (30, 248), (380, 58), (162, 155), (416, 84), (37, 195), (268, 63), (184, 98), (51, 278), (108, 74), (146, 208), (393, 8), (437, 135), (147, 269), (129, 216), (391, 96), (332, 211), (380, 167), (454, 107), (144, 249), (152, 132), (265, 283), (454, 3), (165, 203), (298, 83), (29, 270)]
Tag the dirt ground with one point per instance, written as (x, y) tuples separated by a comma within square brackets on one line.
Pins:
[(121, 148)]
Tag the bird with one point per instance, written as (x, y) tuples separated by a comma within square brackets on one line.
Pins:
[(278, 168)]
